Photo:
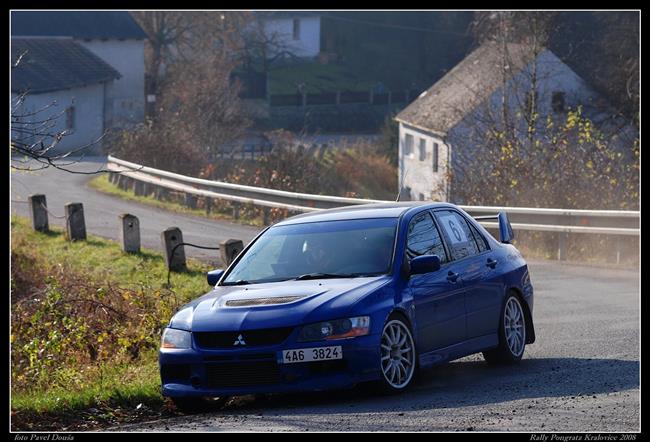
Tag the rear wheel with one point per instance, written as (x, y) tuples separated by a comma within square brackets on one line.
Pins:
[(512, 334), (398, 356), (191, 405)]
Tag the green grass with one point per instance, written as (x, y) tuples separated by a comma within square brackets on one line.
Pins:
[(318, 78), (101, 184), (109, 385), (119, 384), (103, 259)]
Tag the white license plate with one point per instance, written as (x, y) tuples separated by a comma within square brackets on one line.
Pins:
[(311, 354)]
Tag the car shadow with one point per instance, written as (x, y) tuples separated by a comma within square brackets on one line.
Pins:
[(464, 383)]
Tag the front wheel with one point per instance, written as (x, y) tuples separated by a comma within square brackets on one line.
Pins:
[(398, 356), (512, 334)]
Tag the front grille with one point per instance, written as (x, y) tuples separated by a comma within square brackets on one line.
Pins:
[(269, 336), (242, 374), (262, 301)]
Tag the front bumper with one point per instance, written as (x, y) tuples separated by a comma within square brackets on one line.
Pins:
[(258, 369)]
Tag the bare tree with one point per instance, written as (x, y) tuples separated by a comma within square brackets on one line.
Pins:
[(263, 45), (180, 36)]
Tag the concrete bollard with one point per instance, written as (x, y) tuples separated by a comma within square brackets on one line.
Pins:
[(171, 238), (229, 250), (74, 222), (190, 200), (130, 233), (38, 212)]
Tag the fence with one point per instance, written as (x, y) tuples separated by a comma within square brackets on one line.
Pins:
[(343, 97), (561, 221), (129, 234)]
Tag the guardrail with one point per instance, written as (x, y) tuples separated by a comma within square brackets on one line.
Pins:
[(562, 221)]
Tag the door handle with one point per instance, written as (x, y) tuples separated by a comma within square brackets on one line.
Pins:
[(452, 277), (492, 263)]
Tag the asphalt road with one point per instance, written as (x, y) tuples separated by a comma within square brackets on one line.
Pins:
[(101, 211), (582, 374)]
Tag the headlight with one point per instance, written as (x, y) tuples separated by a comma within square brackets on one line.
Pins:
[(337, 329), (174, 338)]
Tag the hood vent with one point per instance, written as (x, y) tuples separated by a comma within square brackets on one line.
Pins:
[(261, 301)]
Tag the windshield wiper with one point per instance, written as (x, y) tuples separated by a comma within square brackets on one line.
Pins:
[(325, 276), (238, 282)]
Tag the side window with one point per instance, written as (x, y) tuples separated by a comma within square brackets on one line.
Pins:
[(457, 232), (480, 240), (424, 238)]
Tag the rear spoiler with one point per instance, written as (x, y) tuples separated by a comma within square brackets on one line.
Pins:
[(506, 235)]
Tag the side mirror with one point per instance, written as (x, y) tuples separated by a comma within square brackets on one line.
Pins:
[(214, 276), (425, 264)]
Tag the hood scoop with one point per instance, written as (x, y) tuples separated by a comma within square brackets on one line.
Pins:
[(248, 302)]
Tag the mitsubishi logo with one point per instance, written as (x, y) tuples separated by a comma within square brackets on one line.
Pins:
[(240, 341)]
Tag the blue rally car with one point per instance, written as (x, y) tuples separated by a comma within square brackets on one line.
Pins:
[(338, 297)]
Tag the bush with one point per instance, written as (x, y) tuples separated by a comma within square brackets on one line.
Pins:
[(166, 145)]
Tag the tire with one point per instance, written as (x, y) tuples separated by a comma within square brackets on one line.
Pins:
[(398, 356), (192, 405), (512, 334)]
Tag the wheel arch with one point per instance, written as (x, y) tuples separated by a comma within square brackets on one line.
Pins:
[(530, 328)]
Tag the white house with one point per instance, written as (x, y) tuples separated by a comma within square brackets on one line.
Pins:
[(296, 32), (114, 36), (65, 88), (448, 114)]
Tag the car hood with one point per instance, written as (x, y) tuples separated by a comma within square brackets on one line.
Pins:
[(316, 300)]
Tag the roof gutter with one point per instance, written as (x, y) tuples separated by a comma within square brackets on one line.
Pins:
[(426, 129)]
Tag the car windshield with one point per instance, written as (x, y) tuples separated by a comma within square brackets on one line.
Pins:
[(348, 248)]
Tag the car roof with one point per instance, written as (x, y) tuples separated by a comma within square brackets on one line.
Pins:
[(362, 211)]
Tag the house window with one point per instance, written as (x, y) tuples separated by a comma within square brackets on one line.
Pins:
[(296, 29), (557, 102), (69, 118), (408, 144), (435, 157), (423, 149)]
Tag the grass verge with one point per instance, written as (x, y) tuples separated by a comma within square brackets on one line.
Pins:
[(86, 320)]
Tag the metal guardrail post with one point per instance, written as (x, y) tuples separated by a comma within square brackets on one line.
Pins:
[(265, 216), (561, 248), (235, 210), (190, 201)]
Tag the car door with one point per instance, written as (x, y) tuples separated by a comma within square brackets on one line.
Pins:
[(483, 290), (438, 296)]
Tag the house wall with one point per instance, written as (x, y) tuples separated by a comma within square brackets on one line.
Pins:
[(88, 115), (552, 76), (125, 96), (417, 171), (309, 43)]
